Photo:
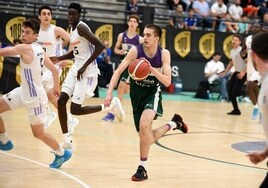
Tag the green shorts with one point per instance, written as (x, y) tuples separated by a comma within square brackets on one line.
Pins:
[(145, 98)]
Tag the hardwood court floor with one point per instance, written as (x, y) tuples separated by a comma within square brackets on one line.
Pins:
[(106, 153)]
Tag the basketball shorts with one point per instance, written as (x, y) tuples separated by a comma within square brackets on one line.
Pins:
[(36, 108), (81, 89)]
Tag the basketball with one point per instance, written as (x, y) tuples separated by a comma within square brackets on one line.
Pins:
[(139, 69)]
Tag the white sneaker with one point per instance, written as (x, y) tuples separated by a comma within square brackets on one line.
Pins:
[(50, 118), (67, 143), (72, 123), (117, 109)]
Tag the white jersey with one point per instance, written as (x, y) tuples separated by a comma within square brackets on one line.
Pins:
[(31, 77), (49, 42), (82, 50), (52, 47), (239, 63), (252, 73), (263, 103)]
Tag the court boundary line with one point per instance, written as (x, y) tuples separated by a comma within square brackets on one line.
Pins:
[(83, 184)]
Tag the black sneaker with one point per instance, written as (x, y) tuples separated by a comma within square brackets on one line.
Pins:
[(180, 124), (140, 175), (234, 112)]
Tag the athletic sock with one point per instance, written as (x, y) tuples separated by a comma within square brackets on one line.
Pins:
[(60, 151), (4, 138), (143, 162), (172, 125)]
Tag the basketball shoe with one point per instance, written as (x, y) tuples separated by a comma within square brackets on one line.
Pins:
[(8, 146), (255, 113), (140, 175), (108, 117), (117, 109), (68, 143), (59, 160), (180, 124), (72, 123), (50, 118)]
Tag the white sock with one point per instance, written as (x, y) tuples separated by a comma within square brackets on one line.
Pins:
[(256, 106), (66, 136), (143, 163), (172, 124), (4, 138), (60, 151)]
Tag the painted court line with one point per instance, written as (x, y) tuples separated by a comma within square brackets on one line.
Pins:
[(83, 184)]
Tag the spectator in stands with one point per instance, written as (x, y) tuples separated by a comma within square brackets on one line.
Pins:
[(212, 70), (172, 4), (265, 22), (177, 20), (235, 10), (132, 6), (104, 63), (202, 12), (228, 25), (244, 24), (218, 12), (190, 22), (250, 8), (262, 5)]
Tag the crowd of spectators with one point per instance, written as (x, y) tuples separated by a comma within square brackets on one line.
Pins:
[(234, 16)]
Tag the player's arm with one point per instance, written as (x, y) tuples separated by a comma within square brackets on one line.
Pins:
[(118, 45), (60, 32), (69, 55), (15, 50), (50, 66), (132, 54), (99, 47), (165, 76)]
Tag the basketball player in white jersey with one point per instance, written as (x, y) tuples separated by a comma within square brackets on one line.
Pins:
[(31, 93), (253, 76), (82, 78), (50, 38), (260, 56)]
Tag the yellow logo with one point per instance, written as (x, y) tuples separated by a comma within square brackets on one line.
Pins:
[(163, 39), (227, 46), (105, 32), (13, 28), (182, 43), (207, 45)]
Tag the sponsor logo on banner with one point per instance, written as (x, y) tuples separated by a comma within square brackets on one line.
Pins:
[(227, 46), (105, 32), (207, 45), (182, 43), (13, 28)]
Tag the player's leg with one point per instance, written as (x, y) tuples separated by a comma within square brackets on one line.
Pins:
[(5, 142), (9, 101)]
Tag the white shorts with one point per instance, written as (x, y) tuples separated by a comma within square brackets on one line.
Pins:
[(47, 79), (79, 90), (255, 76), (36, 108)]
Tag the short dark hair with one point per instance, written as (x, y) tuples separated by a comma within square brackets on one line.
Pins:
[(44, 7), (75, 6), (259, 45), (157, 29), (32, 23), (134, 16), (238, 36)]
